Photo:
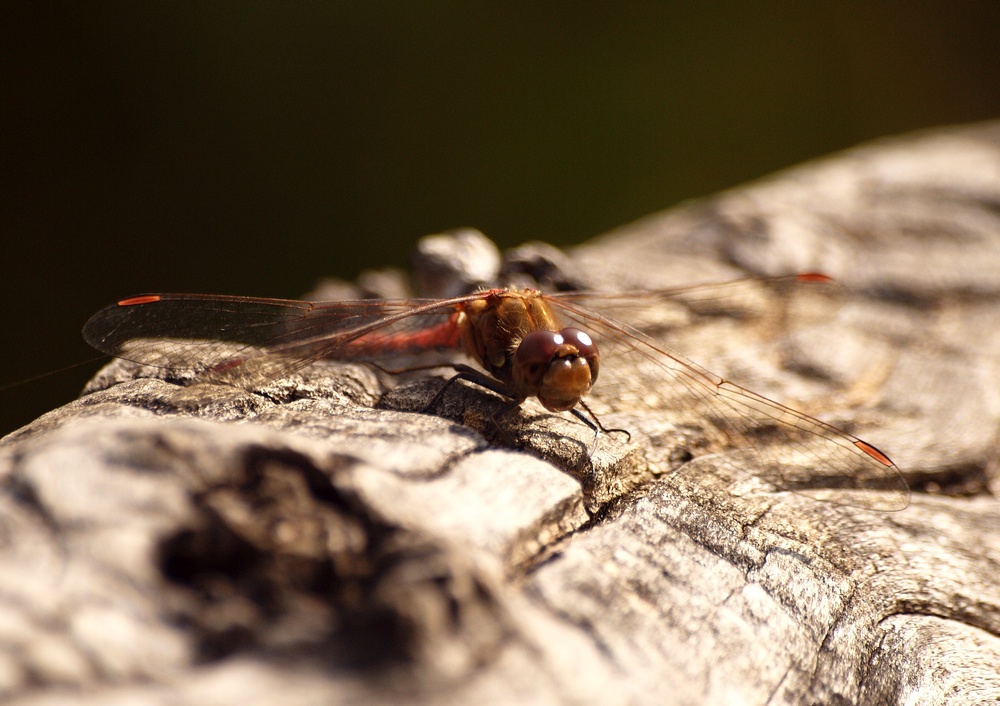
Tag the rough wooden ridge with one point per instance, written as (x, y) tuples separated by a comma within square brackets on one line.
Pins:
[(319, 541)]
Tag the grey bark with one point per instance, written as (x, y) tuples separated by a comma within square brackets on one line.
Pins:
[(318, 541)]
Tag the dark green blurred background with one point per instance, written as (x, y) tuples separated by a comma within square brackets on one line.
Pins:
[(254, 147)]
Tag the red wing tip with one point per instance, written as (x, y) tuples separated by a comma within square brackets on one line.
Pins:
[(144, 299), (874, 453), (813, 277)]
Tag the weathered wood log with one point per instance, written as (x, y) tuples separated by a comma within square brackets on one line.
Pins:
[(313, 541)]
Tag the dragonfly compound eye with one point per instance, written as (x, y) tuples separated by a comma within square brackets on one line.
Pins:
[(558, 368)]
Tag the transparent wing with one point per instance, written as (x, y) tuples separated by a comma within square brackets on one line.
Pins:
[(792, 449), (246, 341), (775, 304)]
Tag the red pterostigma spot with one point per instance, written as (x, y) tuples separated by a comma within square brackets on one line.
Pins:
[(144, 299), (813, 277), (874, 453)]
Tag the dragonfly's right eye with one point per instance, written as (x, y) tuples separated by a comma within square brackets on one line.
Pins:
[(586, 348)]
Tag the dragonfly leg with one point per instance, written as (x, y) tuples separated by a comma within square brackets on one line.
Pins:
[(596, 423), (464, 372), (469, 374), (495, 418)]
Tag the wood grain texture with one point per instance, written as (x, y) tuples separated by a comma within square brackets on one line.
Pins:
[(317, 541)]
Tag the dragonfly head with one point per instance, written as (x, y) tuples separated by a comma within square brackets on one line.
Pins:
[(558, 368)]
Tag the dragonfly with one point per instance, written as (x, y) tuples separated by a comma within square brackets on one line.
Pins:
[(553, 347)]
